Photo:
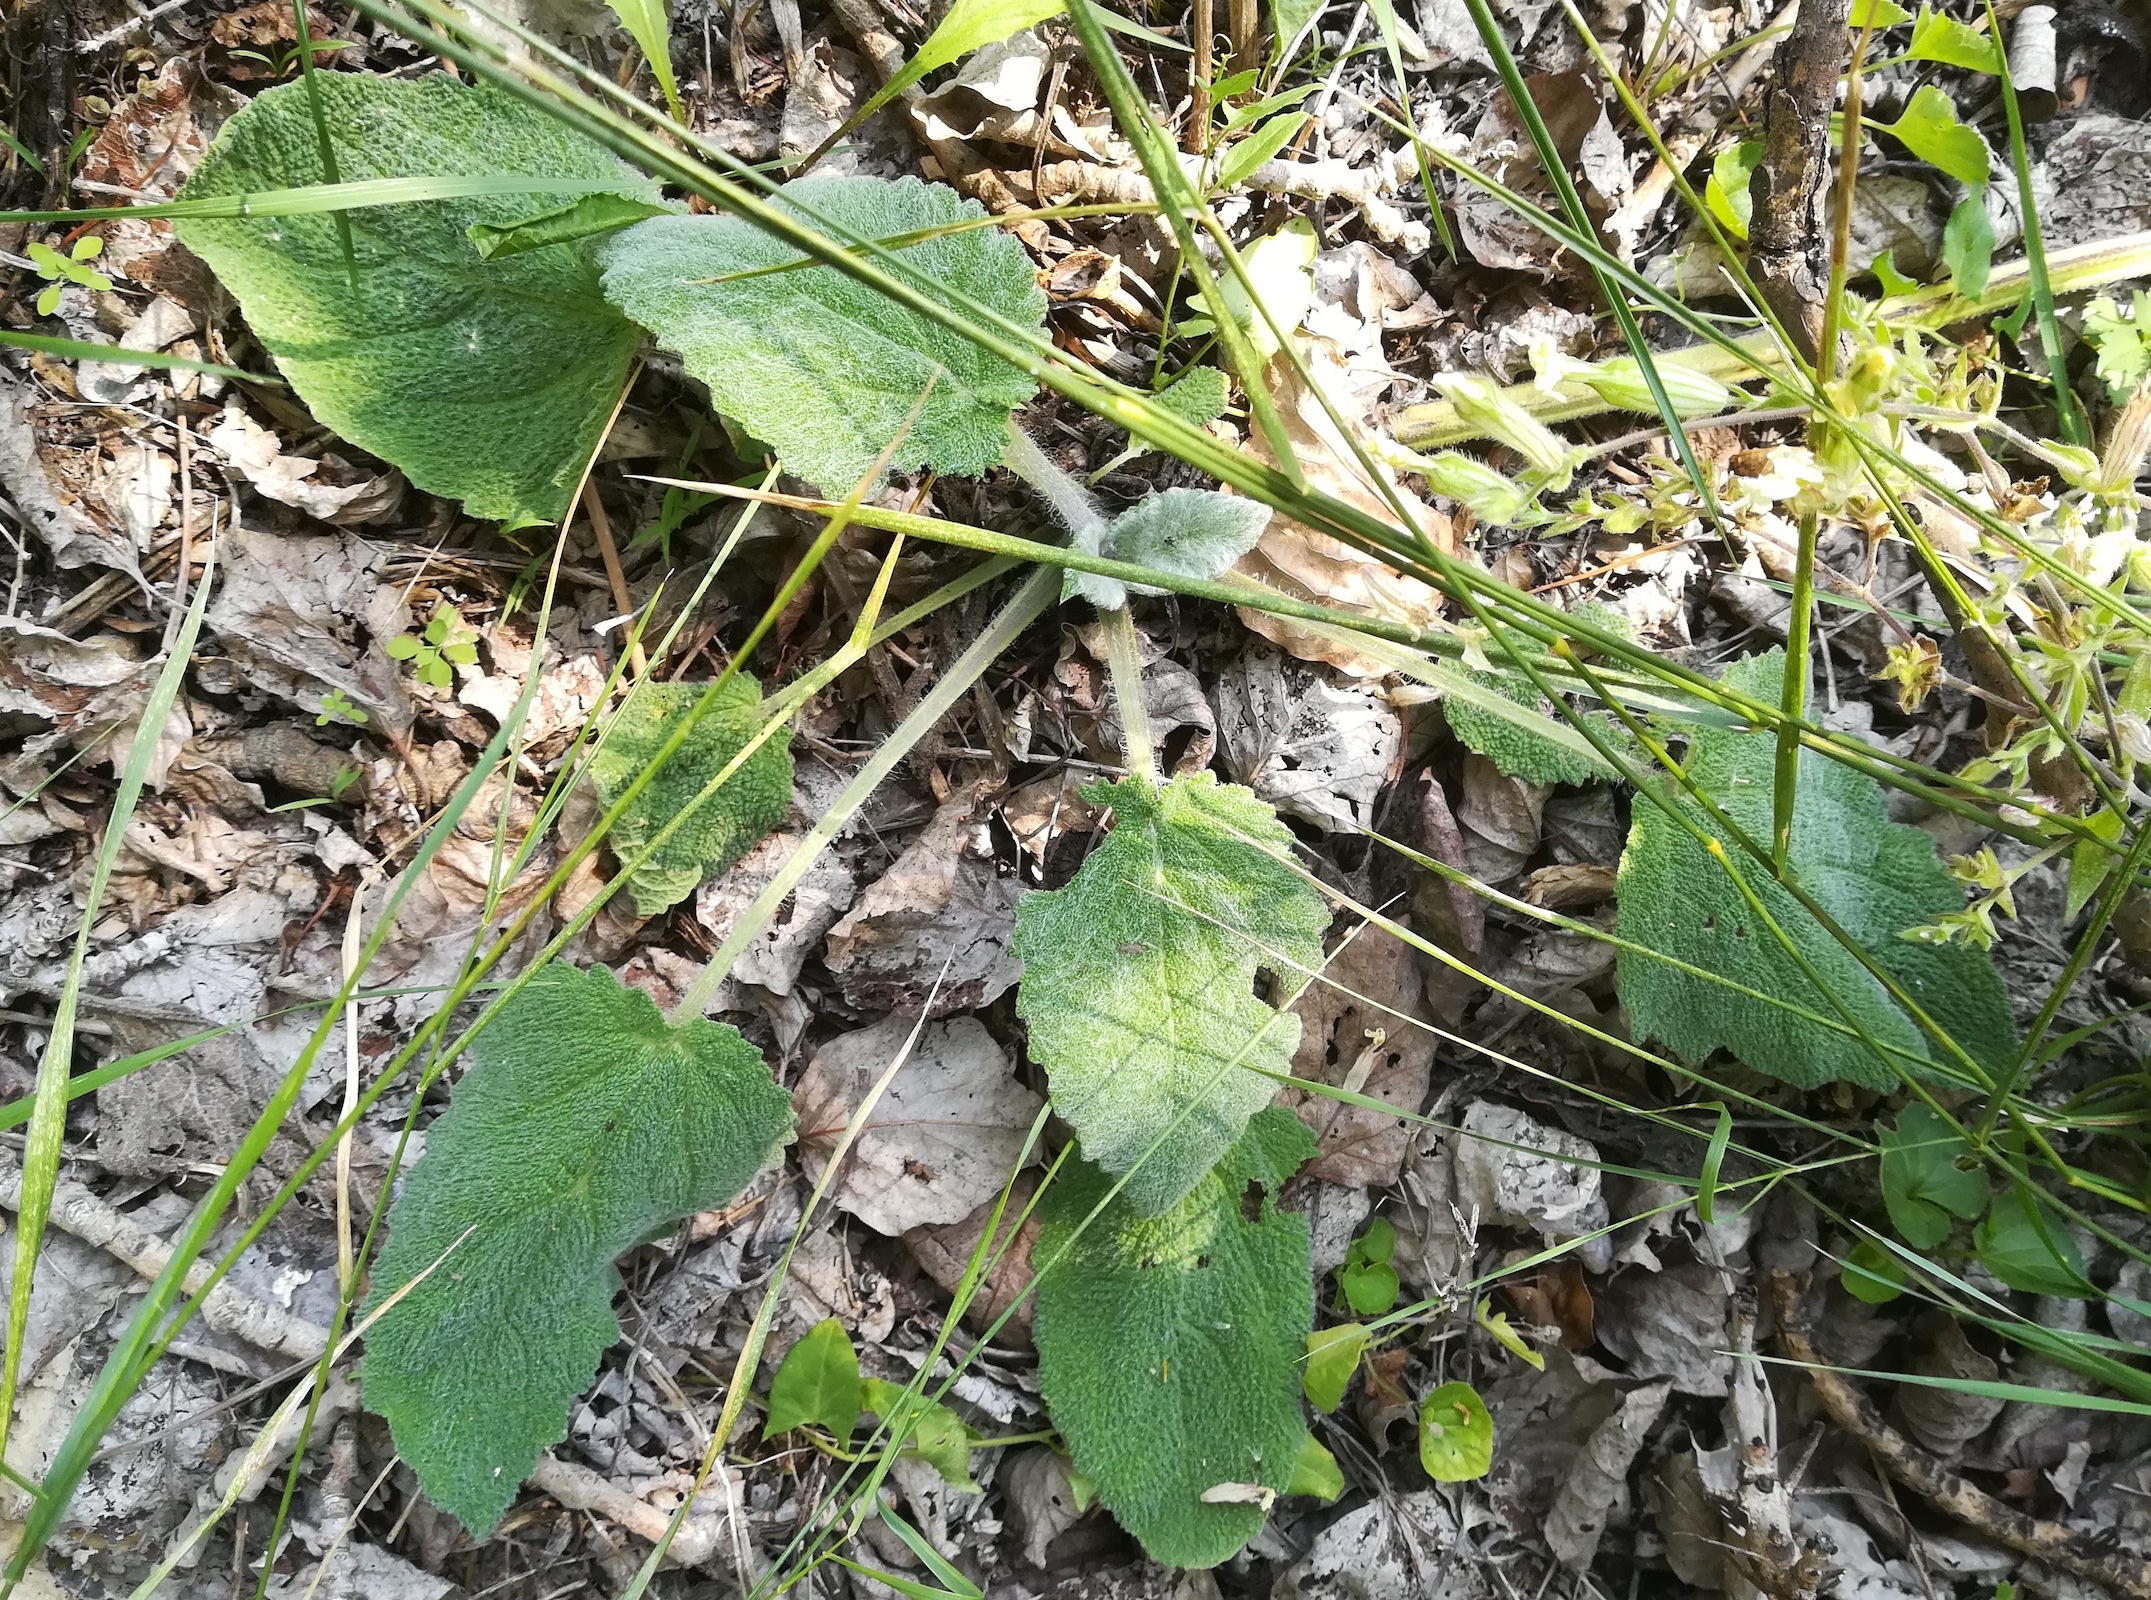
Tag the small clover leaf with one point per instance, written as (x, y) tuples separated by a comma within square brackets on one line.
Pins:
[(336, 706), (434, 652)]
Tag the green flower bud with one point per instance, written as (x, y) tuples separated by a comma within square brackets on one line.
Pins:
[(1494, 414), (1620, 382)]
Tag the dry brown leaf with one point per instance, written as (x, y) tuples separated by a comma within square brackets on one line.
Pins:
[(1295, 560), (1364, 1045)]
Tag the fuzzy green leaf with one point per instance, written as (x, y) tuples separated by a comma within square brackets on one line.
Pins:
[(823, 368), (1874, 876), (731, 822), (488, 382), (1922, 1184), (588, 1123), (818, 1382), (1197, 396), (1139, 980), (1516, 749), (1194, 533), (1169, 1346)]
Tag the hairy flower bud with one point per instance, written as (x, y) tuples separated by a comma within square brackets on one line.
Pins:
[(1620, 382), (1491, 410)]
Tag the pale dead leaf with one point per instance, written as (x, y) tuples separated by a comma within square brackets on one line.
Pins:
[(941, 1140), (1352, 1036)]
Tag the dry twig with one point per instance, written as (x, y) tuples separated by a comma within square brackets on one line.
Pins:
[(2125, 1572)]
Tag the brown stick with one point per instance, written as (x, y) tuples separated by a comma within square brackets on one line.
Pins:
[(1200, 24), (601, 525), (1240, 22), (2057, 1546), (1785, 233)]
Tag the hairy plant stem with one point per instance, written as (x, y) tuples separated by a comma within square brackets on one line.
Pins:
[(1124, 659)]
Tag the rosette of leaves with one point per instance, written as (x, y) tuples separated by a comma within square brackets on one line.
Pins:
[(823, 368), (719, 828), (1874, 877), (1169, 1346), (486, 381), (588, 1123), (1141, 978)]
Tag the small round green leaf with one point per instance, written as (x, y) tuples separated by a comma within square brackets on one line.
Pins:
[(1456, 1434), (1873, 1274), (1922, 1184)]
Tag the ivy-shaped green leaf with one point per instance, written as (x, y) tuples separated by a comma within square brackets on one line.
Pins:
[(1169, 1346), (1456, 1434), (1875, 877), (823, 368), (817, 1382), (731, 822), (1929, 128), (1923, 1185), (588, 1123), (486, 381), (1140, 980)]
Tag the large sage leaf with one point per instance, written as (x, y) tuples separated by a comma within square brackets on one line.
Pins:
[(1140, 980), (588, 1123), (487, 381), (821, 367), (1875, 877), (1169, 1347)]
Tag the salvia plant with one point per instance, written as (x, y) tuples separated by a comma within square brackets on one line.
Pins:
[(472, 316)]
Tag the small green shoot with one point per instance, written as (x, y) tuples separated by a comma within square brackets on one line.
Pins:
[(336, 706), (436, 650), (71, 268), (1369, 1283)]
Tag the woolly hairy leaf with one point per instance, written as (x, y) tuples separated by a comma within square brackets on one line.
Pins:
[(731, 822), (588, 1123), (823, 368), (1506, 742), (1139, 980), (1169, 1346), (486, 381), (1195, 533), (1874, 876)]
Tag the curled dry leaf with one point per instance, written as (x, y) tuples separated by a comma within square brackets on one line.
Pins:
[(939, 1142), (1519, 1173), (1298, 561), (1669, 1324), (1599, 1480), (253, 452), (1311, 748)]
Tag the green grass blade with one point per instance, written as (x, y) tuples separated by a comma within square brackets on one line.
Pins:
[(652, 29), (304, 44), (48, 1110)]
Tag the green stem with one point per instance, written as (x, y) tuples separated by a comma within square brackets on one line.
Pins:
[(1124, 659), (1792, 698)]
